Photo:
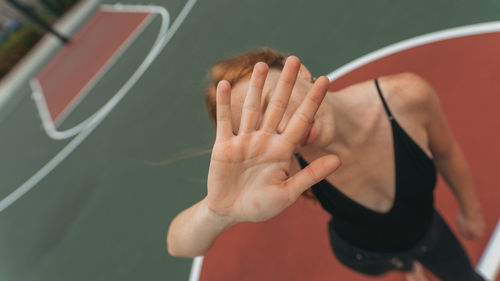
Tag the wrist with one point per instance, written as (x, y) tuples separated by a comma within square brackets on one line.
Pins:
[(471, 210), (220, 221)]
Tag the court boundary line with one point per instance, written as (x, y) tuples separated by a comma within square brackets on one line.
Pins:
[(161, 41), (104, 69), (48, 124), (441, 35), (196, 269), (489, 263)]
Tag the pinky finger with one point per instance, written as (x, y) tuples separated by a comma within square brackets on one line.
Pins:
[(224, 126)]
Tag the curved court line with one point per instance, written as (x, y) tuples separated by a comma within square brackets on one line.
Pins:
[(160, 43), (481, 28), (489, 269), (196, 269), (488, 264), (37, 92), (43, 111), (113, 59), (151, 11)]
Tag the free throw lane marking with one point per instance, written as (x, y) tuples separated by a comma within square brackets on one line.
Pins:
[(162, 39), (37, 91)]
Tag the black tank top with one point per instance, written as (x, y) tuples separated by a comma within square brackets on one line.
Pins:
[(410, 216)]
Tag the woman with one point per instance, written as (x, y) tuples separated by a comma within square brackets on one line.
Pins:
[(272, 123)]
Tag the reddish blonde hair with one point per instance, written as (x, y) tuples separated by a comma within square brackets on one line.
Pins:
[(234, 69)]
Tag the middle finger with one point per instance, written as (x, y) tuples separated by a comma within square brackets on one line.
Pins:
[(279, 100)]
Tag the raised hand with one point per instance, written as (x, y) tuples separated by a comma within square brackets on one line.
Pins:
[(250, 173)]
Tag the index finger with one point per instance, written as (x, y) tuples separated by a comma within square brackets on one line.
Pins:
[(303, 116)]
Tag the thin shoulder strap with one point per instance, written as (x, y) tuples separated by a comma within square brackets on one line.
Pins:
[(302, 162), (383, 100)]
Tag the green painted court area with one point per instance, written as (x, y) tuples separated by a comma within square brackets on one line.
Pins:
[(96, 204)]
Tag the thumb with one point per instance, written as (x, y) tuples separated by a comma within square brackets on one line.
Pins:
[(312, 174)]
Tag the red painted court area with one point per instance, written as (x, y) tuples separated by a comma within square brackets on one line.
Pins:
[(79, 64), (294, 246)]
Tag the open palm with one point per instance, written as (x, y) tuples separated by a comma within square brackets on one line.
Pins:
[(249, 177)]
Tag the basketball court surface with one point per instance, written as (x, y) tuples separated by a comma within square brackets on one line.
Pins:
[(108, 138)]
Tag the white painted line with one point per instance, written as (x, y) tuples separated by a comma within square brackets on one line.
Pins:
[(26, 67), (104, 69), (162, 39), (196, 269), (489, 262), (129, 8), (43, 111), (481, 28), (37, 92)]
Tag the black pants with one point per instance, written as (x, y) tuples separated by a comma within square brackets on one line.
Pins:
[(439, 251)]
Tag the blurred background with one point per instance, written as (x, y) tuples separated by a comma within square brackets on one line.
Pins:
[(104, 137)]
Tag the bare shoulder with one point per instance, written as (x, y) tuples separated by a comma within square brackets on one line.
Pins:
[(408, 86), (408, 92)]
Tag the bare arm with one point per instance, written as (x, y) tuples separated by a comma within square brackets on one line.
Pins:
[(194, 230), (455, 171), (452, 164), (249, 175)]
